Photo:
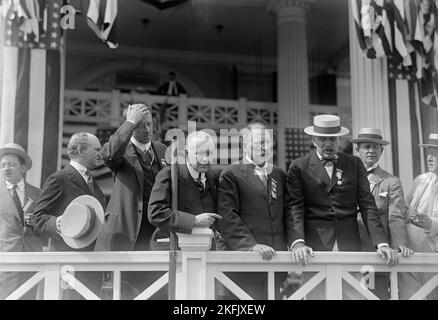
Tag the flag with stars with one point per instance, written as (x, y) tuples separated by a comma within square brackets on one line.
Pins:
[(31, 45)]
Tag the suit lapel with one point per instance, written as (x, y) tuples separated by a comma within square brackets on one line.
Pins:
[(211, 184), (317, 170), (132, 158), (376, 179), (190, 188), (76, 178), (11, 202), (254, 180), (29, 193)]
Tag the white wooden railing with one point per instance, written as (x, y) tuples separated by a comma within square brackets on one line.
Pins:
[(107, 107), (197, 269)]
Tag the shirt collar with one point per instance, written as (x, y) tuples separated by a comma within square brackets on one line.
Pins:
[(80, 168), (194, 173), (141, 146), (257, 167), (20, 185), (374, 166)]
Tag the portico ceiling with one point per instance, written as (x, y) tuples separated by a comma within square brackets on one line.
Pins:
[(248, 28)]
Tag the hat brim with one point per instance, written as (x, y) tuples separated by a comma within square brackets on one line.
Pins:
[(311, 132), (381, 142), (428, 145), (98, 223), (18, 153)]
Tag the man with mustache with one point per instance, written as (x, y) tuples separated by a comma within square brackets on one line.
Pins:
[(17, 201), (326, 188), (135, 160), (197, 183), (252, 201), (389, 197)]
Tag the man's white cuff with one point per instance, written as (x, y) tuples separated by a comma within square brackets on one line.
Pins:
[(295, 242)]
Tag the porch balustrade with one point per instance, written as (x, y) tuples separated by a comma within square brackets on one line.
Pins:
[(198, 269)]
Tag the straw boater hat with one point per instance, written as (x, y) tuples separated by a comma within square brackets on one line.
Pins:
[(326, 125), (15, 149), (81, 222), (433, 141), (373, 135)]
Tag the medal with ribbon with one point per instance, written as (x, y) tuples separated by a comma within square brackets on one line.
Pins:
[(273, 188), (339, 176)]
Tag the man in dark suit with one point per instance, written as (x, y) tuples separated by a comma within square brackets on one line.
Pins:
[(171, 87), (63, 187), (135, 161), (390, 201), (252, 201), (327, 187), (17, 201), (197, 197)]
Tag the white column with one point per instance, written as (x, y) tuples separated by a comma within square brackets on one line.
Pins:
[(369, 90), (192, 280), (293, 79)]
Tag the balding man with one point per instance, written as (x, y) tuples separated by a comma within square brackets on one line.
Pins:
[(60, 189), (253, 202), (197, 183)]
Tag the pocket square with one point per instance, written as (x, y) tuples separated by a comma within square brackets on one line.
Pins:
[(383, 194)]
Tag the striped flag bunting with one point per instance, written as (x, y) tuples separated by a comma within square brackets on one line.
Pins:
[(102, 19), (404, 31), (31, 81), (165, 4)]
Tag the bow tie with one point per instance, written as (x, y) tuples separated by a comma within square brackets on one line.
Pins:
[(329, 162), (370, 171)]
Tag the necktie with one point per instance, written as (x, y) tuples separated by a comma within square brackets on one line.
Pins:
[(328, 162), (147, 157), (199, 183), (264, 180), (90, 180), (17, 202)]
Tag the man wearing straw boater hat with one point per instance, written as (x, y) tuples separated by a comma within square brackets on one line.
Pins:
[(326, 188), (17, 198), (422, 202), (389, 197), (70, 208)]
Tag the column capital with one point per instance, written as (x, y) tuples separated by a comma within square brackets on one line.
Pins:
[(277, 5), (290, 10)]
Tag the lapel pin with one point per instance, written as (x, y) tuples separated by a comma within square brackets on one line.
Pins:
[(339, 176)]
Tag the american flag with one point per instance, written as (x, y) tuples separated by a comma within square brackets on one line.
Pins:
[(30, 57)]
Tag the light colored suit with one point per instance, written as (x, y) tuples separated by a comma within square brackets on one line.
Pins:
[(14, 237), (389, 197)]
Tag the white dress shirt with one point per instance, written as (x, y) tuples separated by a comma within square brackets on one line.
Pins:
[(20, 190), (144, 147), (261, 172), (195, 174), (81, 169), (328, 168)]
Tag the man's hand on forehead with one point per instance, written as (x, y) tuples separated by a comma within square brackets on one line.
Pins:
[(137, 112)]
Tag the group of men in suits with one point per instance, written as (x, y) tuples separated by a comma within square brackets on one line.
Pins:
[(252, 206)]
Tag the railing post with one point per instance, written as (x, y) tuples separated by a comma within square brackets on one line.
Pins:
[(192, 281), (333, 282), (183, 111), (52, 283), (115, 108), (243, 117)]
